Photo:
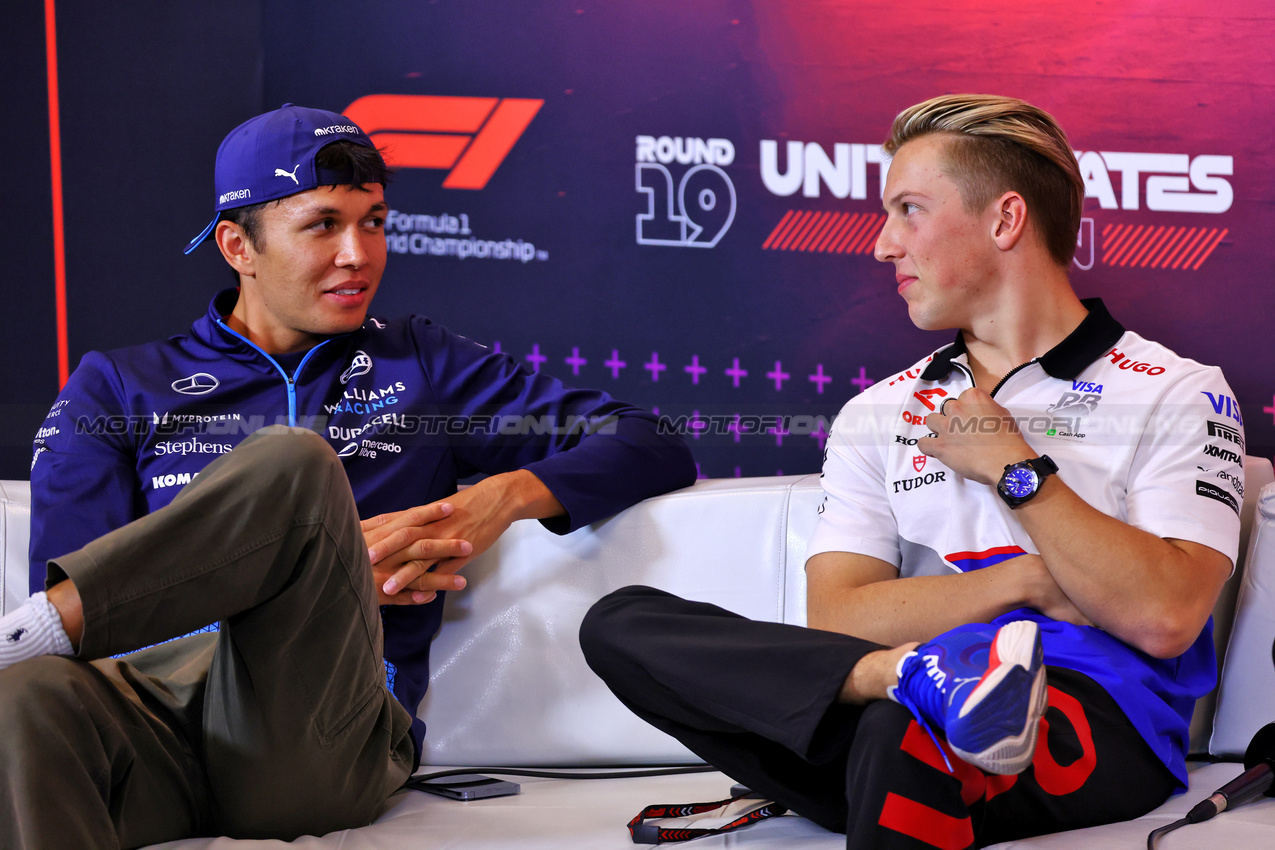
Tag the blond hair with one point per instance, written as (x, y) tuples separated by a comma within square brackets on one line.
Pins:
[(998, 144)]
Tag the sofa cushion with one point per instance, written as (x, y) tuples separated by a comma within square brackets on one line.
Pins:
[(509, 684)]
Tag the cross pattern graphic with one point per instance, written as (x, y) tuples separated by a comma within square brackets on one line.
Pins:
[(704, 372)]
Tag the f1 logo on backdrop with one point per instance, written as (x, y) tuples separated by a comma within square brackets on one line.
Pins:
[(468, 136), (700, 211)]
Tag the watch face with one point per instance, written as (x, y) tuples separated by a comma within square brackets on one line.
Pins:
[(1021, 481)]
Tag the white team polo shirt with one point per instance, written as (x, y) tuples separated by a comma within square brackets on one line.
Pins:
[(1141, 434)]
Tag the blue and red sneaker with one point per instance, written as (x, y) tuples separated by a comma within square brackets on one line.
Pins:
[(986, 692)]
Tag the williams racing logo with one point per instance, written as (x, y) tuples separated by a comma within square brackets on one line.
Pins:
[(696, 209)]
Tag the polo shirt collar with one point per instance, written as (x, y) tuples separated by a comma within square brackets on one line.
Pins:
[(1092, 338)]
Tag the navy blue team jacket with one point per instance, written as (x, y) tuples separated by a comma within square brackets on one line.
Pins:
[(409, 406)]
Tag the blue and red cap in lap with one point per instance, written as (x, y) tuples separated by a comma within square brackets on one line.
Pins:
[(272, 156)]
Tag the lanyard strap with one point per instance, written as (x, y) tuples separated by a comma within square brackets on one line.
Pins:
[(715, 818)]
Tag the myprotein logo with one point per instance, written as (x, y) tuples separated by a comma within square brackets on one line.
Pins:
[(469, 137), (200, 383), (699, 211)]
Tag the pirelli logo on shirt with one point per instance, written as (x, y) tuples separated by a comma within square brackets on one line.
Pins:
[(1212, 491), (1226, 432)]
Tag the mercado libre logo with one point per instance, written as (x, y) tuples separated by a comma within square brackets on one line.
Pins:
[(1149, 183), (469, 137), (689, 201)]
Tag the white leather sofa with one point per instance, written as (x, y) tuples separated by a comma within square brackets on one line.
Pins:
[(510, 687)]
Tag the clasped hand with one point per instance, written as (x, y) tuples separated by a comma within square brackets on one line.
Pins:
[(417, 552)]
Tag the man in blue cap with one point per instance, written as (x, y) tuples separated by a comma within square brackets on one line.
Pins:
[(221, 476)]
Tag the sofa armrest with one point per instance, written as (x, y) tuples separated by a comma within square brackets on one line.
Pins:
[(15, 537), (1246, 692)]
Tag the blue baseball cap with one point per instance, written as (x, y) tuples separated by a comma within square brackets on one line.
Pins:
[(272, 156)]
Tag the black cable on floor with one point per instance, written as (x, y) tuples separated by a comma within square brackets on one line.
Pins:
[(605, 771), (1156, 833)]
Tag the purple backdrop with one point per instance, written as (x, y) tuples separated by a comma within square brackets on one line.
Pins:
[(677, 201)]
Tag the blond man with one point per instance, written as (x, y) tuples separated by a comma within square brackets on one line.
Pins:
[(1022, 538)]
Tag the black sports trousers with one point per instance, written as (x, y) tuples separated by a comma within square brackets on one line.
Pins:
[(758, 700)]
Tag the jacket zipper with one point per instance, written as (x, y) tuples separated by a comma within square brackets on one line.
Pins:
[(1010, 374), (289, 380)]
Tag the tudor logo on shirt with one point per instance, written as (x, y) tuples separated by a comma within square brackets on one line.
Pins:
[(920, 481), (199, 383), (918, 462)]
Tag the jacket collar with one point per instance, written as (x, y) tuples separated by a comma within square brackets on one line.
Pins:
[(1092, 338), (209, 330)]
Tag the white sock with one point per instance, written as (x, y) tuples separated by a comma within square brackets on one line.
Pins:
[(34, 628)]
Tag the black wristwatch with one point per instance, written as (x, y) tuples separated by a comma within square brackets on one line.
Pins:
[(1021, 481)]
